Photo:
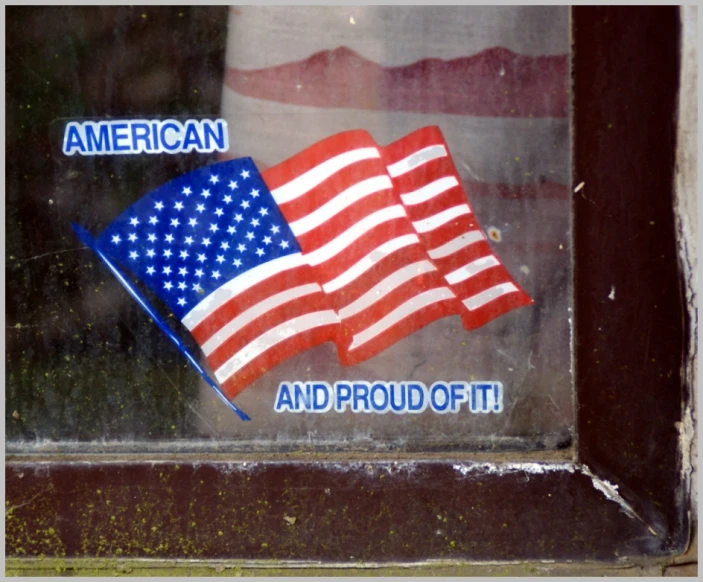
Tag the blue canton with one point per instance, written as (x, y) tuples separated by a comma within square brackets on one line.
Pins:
[(190, 236)]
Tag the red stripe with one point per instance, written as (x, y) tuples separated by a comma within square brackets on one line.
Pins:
[(314, 155), (493, 83)]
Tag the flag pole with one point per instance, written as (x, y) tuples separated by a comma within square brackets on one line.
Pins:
[(89, 241)]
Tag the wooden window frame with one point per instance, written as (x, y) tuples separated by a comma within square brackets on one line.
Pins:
[(624, 493)]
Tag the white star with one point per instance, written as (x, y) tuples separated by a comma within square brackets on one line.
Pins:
[(233, 185), (250, 235), (152, 237), (238, 217), (244, 174), (168, 238), (133, 255), (150, 270), (241, 248), (153, 220), (284, 244), (182, 301), (132, 237), (214, 179), (237, 263), (181, 285), (206, 242), (254, 222), (245, 204), (116, 239), (263, 211), (227, 199), (224, 246), (214, 228), (193, 221), (178, 205), (200, 207), (197, 288), (167, 253), (167, 270), (219, 211), (254, 193), (182, 271), (159, 206), (215, 275), (267, 240), (260, 252), (184, 254), (189, 240), (187, 191), (199, 272), (175, 222), (201, 258), (220, 259), (134, 221), (168, 285), (231, 230), (275, 229), (150, 253), (205, 193)]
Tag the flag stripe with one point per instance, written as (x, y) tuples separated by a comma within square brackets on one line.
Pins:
[(374, 257), (405, 310), (273, 337), (437, 220), (471, 269), (383, 288), (456, 244), (416, 159), (484, 297), (340, 202), (246, 317), (307, 181), (238, 285), (430, 191), (342, 241)]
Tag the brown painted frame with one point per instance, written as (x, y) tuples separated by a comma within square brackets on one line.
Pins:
[(622, 496)]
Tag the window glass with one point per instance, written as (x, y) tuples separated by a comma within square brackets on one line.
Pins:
[(433, 221)]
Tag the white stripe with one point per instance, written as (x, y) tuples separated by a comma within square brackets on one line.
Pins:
[(338, 244), (307, 181), (238, 285), (340, 202), (416, 159), (480, 299), (255, 311), (441, 218), (272, 337), (471, 269), (463, 240), (429, 191), (400, 313), (369, 261), (380, 290)]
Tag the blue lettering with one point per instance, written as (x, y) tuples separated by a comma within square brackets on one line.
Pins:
[(116, 137), (284, 401), (401, 388), (483, 388), (379, 404), (301, 392), (97, 143), (361, 393), (140, 133), (221, 138), (321, 404), (418, 404), (439, 403), (72, 141), (174, 127), (458, 395), (192, 138), (344, 393)]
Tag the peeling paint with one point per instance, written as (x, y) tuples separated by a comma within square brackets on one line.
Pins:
[(506, 468)]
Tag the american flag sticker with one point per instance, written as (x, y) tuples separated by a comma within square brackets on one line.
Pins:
[(347, 242)]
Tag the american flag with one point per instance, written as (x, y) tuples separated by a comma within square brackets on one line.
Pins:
[(346, 242)]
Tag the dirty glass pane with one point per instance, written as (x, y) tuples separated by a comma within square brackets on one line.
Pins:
[(486, 87)]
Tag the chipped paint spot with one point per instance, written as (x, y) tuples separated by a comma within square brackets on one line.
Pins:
[(494, 234), (507, 468)]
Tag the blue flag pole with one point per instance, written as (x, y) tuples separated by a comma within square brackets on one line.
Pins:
[(88, 241)]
